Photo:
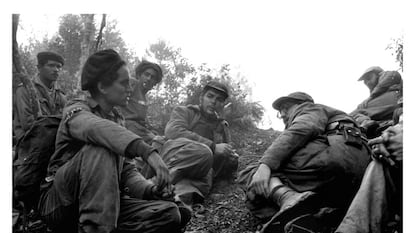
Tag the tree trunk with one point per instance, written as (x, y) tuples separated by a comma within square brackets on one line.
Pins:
[(88, 29), (17, 65), (99, 37)]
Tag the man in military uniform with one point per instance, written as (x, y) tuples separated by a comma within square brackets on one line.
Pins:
[(198, 149), (319, 156), (92, 183), (377, 206), (375, 113), (148, 74), (48, 98)]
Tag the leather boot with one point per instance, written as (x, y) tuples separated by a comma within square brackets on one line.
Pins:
[(286, 197), (292, 204)]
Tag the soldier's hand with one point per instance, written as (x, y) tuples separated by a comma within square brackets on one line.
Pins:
[(166, 194), (223, 149), (260, 181), (395, 141), (162, 179)]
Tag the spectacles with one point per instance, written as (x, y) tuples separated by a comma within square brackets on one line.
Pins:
[(282, 111), (279, 115)]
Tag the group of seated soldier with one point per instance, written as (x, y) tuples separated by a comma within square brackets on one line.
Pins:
[(112, 172)]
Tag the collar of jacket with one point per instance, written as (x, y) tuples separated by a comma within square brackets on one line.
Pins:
[(39, 82), (114, 114), (296, 111)]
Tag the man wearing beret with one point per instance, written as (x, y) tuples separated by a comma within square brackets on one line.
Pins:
[(92, 183), (49, 98), (197, 149), (318, 160), (375, 113), (148, 74)]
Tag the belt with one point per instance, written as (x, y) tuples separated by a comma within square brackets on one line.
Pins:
[(49, 178), (339, 125)]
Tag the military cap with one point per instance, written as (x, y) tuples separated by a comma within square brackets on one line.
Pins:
[(98, 65), (219, 87), (145, 65), (295, 96), (43, 57), (375, 69)]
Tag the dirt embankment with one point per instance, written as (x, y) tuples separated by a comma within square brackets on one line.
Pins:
[(224, 210)]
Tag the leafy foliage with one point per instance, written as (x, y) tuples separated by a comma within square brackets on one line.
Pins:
[(182, 82), (112, 39), (397, 49)]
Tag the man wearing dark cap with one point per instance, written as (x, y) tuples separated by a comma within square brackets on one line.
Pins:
[(197, 149), (318, 160), (92, 183), (148, 74), (47, 96), (375, 113)]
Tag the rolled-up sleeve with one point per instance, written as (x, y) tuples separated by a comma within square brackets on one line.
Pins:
[(304, 127)]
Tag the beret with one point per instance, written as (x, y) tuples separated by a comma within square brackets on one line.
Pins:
[(43, 57)]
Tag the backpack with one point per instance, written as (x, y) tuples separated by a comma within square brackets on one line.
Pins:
[(32, 155)]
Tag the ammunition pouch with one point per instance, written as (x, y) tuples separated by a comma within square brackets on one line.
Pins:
[(352, 134)]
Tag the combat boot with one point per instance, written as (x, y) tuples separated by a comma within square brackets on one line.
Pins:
[(291, 205), (286, 197)]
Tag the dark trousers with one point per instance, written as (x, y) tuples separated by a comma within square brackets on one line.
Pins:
[(85, 197)]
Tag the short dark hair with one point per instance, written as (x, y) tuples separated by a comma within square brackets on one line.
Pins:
[(100, 67)]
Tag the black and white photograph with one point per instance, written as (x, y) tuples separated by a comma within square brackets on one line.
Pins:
[(206, 116)]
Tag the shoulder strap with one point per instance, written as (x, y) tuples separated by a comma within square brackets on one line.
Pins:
[(33, 94)]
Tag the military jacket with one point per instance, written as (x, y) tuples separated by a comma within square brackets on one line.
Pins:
[(51, 102), (305, 129), (83, 123), (383, 99), (189, 122)]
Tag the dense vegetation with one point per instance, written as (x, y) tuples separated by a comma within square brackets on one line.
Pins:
[(78, 37)]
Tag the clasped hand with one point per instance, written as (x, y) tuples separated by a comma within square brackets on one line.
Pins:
[(162, 179)]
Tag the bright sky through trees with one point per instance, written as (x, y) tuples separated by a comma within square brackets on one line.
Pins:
[(318, 47)]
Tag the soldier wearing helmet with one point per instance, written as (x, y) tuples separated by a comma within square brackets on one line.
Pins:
[(317, 161)]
